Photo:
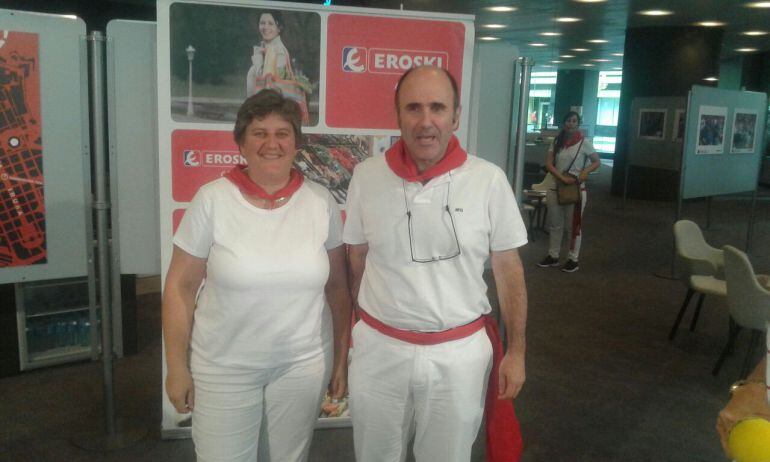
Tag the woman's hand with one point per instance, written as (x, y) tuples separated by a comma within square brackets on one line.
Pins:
[(180, 389), (338, 387)]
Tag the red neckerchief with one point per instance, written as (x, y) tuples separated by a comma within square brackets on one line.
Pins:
[(247, 186), (400, 161), (576, 138)]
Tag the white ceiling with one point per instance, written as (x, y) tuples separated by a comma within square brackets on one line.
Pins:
[(603, 20)]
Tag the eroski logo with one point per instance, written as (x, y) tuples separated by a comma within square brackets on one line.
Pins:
[(191, 158), (196, 158), (354, 59), (389, 60)]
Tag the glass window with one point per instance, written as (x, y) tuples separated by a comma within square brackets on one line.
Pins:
[(541, 89), (608, 97)]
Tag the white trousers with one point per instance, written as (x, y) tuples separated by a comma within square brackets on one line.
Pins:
[(233, 407), (434, 392), (559, 220)]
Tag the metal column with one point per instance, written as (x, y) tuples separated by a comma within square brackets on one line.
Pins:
[(97, 94), (525, 65)]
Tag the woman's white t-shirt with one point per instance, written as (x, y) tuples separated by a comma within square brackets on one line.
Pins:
[(563, 159), (262, 303)]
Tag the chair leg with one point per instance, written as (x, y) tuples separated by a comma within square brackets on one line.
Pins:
[(532, 223), (679, 316), (755, 336), (697, 312), (731, 336)]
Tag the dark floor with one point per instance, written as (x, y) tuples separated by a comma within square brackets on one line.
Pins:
[(604, 383)]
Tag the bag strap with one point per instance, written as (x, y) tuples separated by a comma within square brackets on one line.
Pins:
[(576, 155)]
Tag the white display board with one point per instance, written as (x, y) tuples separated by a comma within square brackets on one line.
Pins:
[(133, 135), (45, 182), (349, 60)]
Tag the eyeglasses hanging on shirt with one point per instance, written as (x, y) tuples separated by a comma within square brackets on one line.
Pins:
[(418, 246)]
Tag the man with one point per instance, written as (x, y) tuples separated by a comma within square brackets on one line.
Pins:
[(421, 221)]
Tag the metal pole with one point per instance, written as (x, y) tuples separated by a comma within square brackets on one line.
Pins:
[(521, 130), (190, 56), (101, 205)]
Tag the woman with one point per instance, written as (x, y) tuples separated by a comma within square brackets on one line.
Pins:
[(269, 247), (271, 64), (567, 162)]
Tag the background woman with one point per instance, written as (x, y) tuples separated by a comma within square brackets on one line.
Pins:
[(269, 247), (570, 158)]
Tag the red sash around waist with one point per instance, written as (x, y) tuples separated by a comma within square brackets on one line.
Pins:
[(504, 442)]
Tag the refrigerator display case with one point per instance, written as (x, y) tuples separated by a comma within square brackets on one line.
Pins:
[(58, 322)]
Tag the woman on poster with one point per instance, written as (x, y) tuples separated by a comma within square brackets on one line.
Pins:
[(271, 64), (252, 346), (570, 159)]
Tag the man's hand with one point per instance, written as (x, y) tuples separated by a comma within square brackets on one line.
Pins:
[(567, 179), (180, 389), (748, 401), (511, 378)]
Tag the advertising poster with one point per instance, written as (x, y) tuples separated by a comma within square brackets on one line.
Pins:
[(652, 124), (340, 64), (22, 205), (367, 55), (711, 130), (227, 53), (744, 131)]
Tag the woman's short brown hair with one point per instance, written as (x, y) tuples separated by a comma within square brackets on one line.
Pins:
[(263, 104)]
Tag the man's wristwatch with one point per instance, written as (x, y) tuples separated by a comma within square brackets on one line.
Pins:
[(742, 383)]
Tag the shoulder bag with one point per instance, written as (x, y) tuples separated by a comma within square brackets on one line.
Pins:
[(567, 194)]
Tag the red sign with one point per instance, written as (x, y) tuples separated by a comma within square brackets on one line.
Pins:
[(200, 156), (22, 205), (366, 55)]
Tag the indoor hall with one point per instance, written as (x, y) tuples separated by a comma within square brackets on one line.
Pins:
[(603, 380), (604, 383)]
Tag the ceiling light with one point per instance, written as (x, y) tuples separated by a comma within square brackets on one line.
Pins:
[(566, 19), (502, 9), (754, 33), (545, 65), (590, 1), (489, 38), (711, 79), (557, 61), (601, 60), (550, 34), (617, 54), (710, 23), (538, 44), (746, 50), (580, 49), (494, 26), (597, 41), (758, 5), (567, 56), (587, 65), (617, 68), (656, 12)]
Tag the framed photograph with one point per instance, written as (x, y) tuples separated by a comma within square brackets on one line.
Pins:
[(711, 130), (680, 119), (652, 124), (744, 131), (220, 55)]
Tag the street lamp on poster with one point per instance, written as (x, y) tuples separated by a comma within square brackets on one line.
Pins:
[(190, 56)]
